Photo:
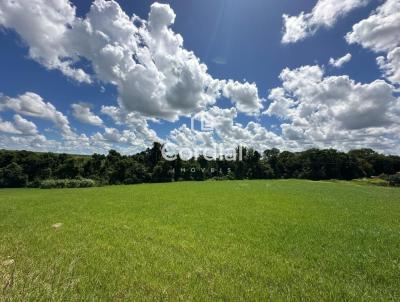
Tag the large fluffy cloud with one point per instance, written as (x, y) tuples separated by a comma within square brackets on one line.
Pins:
[(154, 74), (244, 96), (43, 26), (380, 32), (158, 79), (324, 14), (335, 111)]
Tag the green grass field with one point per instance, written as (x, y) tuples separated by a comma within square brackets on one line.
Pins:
[(227, 241)]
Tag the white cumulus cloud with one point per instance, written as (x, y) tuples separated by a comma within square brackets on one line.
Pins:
[(227, 134), (335, 111), (244, 95), (324, 14), (154, 74), (380, 32), (391, 65), (43, 26), (33, 105), (82, 112)]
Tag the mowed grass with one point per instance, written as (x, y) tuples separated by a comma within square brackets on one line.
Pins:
[(226, 241)]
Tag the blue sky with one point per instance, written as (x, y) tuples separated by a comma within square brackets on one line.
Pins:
[(237, 40)]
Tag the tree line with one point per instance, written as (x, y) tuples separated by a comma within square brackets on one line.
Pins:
[(32, 169)]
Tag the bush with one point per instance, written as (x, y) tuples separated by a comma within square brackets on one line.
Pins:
[(67, 183), (132, 180), (87, 183), (49, 184), (372, 181), (394, 180), (34, 184), (384, 176), (221, 178)]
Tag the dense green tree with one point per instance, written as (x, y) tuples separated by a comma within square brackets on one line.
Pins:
[(136, 173), (163, 172), (69, 169), (12, 176), (21, 168), (94, 167)]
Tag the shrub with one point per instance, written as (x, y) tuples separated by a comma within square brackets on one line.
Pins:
[(34, 184), (374, 181), (394, 180), (87, 183), (67, 183), (220, 178), (384, 176), (49, 184), (131, 180)]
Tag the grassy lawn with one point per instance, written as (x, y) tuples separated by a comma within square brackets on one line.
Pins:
[(240, 240)]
